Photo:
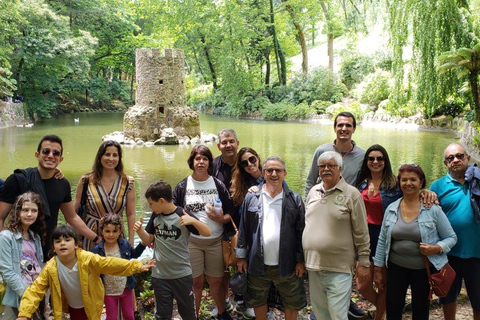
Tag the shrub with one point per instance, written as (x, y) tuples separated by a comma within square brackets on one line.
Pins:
[(276, 111), (254, 104), (354, 68), (299, 111), (375, 88), (320, 106), (452, 107)]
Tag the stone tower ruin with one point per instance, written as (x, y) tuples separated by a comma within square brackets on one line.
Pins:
[(160, 100)]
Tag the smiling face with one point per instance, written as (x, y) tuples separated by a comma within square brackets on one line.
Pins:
[(28, 214), (110, 158), (49, 156), (344, 128), (410, 183), (376, 161), (274, 173), (64, 248), (110, 233), (252, 164), (330, 173)]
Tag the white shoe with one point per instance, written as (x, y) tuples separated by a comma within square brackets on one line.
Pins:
[(245, 312)]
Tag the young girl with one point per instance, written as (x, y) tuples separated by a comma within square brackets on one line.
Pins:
[(74, 278), (118, 289), (21, 250)]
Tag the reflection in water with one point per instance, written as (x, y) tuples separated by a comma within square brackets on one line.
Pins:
[(294, 142)]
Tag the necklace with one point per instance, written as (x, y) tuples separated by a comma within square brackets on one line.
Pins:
[(405, 213)]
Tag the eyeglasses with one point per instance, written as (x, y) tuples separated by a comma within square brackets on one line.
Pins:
[(379, 159), (452, 157), (271, 170), (46, 151), (252, 160), (329, 165)]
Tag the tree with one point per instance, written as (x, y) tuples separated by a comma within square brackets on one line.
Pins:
[(467, 63)]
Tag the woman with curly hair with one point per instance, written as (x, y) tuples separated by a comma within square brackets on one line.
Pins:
[(21, 250)]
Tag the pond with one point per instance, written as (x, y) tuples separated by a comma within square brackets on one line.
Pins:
[(294, 142)]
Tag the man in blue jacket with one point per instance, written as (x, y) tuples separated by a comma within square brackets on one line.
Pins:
[(269, 244)]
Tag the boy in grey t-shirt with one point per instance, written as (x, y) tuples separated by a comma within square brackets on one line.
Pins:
[(169, 229)]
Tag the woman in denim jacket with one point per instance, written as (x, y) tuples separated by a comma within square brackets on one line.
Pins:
[(409, 232)]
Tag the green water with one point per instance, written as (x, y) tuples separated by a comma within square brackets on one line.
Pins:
[(294, 142)]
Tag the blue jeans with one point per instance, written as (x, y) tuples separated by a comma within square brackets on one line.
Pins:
[(330, 294)]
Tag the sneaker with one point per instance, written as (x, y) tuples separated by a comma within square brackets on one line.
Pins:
[(271, 315), (354, 312), (224, 316), (228, 308), (228, 305), (246, 313), (311, 316)]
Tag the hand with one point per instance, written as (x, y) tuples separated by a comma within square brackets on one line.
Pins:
[(186, 219), (428, 249), (138, 225), (149, 265), (242, 265), (22, 318), (429, 198), (300, 269), (58, 174), (363, 275), (213, 215), (379, 278), (253, 189)]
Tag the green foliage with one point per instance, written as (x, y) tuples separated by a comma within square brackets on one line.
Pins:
[(103, 92), (453, 106), (319, 84), (254, 104), (320, 106), (375, 88), (277, 111), (300, 111), (354, 68), (355, 108)]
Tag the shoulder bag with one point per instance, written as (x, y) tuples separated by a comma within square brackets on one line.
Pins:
[(229, 243), (441, 281), (82, 210)]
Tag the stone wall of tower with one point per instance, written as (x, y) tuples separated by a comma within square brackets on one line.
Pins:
[(160, 99), (160, 78)]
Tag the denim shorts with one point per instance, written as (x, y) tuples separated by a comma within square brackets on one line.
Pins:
[(291, 288), (468, 270)]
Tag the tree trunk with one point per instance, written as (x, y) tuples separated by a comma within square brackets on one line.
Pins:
[(330, 51), (330, 35), (275, 41), (301, 37), (473, 78), (209, 62)]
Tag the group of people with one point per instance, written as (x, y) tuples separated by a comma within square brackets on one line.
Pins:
[(359, 220)]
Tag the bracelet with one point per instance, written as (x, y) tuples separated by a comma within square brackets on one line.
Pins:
[(95, 239)]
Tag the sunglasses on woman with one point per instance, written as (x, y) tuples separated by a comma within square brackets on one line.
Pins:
[(252, 160)]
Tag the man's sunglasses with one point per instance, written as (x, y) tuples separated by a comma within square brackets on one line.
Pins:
[(46, 151)]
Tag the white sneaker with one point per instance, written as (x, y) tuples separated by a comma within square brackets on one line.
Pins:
[(245, 312)]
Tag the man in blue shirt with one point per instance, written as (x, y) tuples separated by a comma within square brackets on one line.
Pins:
[(454, 196)]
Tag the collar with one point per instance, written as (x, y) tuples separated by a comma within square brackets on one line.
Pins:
[(341, 186), (354, 148)]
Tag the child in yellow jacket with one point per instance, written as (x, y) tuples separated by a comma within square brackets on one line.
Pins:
[(74, 278)]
